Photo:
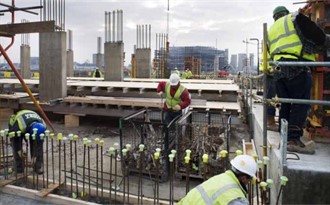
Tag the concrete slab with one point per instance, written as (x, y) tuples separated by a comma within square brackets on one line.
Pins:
[(309, 175)]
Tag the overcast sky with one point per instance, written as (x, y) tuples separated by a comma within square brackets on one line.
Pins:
[(216, 23)]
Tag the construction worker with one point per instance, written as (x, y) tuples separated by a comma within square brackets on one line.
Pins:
[(97, 73), (270, 89), (27, 121), (177, 97), (295, 38), (225, 188), (187, 74), (177, 71)]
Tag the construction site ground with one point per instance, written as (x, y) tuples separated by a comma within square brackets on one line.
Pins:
[(107, 129)]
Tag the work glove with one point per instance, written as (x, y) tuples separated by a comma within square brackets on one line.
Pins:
[(160, 93), (177, 107)]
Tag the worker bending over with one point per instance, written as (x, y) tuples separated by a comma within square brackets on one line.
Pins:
[(226, 188), (27, 121), (177, 97)]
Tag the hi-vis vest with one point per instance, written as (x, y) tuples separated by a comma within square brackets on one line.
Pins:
[(283, 41), (176, 100), (219, 190), (23, 120)]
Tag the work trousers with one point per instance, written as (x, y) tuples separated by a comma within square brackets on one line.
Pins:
[(270, 94), (170, 115), (36, 152), (298, 87)]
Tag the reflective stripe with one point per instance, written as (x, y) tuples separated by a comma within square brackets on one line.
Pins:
[(287, 32), (21, 123), (223, 189), (286, 46), (208, 200), (202, 192)]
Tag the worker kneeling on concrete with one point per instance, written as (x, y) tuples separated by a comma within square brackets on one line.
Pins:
[(177, 97), (226, 188), (27, 121)]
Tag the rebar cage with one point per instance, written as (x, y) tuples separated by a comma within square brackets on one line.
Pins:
[(202, 132), (146, 127)]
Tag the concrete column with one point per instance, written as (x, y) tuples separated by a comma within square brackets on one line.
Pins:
[(25, 64), (52, 65), (69, 63), (143, 62), (114, 61)]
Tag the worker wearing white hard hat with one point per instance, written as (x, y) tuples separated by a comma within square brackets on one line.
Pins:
[(226, 188), (177, 97)]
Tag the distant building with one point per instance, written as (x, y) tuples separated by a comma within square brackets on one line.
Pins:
[(241, 63), (209, 58), (233, 61)]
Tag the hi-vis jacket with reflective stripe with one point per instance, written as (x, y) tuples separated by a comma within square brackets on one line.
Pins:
[(218, 190), (176, 100), (23, 120), (283, 41)]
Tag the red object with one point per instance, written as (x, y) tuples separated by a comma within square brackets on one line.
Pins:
[(223, 73)]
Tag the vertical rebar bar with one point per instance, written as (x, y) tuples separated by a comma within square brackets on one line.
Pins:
[(71, 163), (59, 138), (75, 138), (84, 164), (53, 160), (101, 147), (47, 156), (89, 167), (111, 150), (97, 140)]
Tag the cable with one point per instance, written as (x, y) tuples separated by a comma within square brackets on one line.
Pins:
[(298, 158)]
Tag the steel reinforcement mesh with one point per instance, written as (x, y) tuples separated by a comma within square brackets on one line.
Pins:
[(202, 133), (145, 127)]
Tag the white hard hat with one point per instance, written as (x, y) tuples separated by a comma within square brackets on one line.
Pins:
[(174, 79), (245, 164)]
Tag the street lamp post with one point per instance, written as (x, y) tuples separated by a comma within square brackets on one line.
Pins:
[(255, 39)]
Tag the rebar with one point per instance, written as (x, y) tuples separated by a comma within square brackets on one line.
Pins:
[(53, 160), (84, 164), (102, 169), (47, 177), (110, 173), (76, 160), (71, 164), (97, 169), (59, 163)]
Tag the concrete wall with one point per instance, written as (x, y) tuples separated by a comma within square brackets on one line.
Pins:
[(25, 63), (114, 61), (69, 63), (308, 175), (143, 62), (52, 65)]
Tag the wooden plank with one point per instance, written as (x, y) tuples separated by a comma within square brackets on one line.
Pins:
[(138, 102), (11, 180), (50, 198), (45, 192), (29, 27)]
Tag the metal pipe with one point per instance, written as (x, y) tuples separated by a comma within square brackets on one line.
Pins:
[(299, 63), (301, 101), (265, 37)]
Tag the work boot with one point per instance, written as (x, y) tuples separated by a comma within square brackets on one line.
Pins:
[(271, 124), (297, 146)]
